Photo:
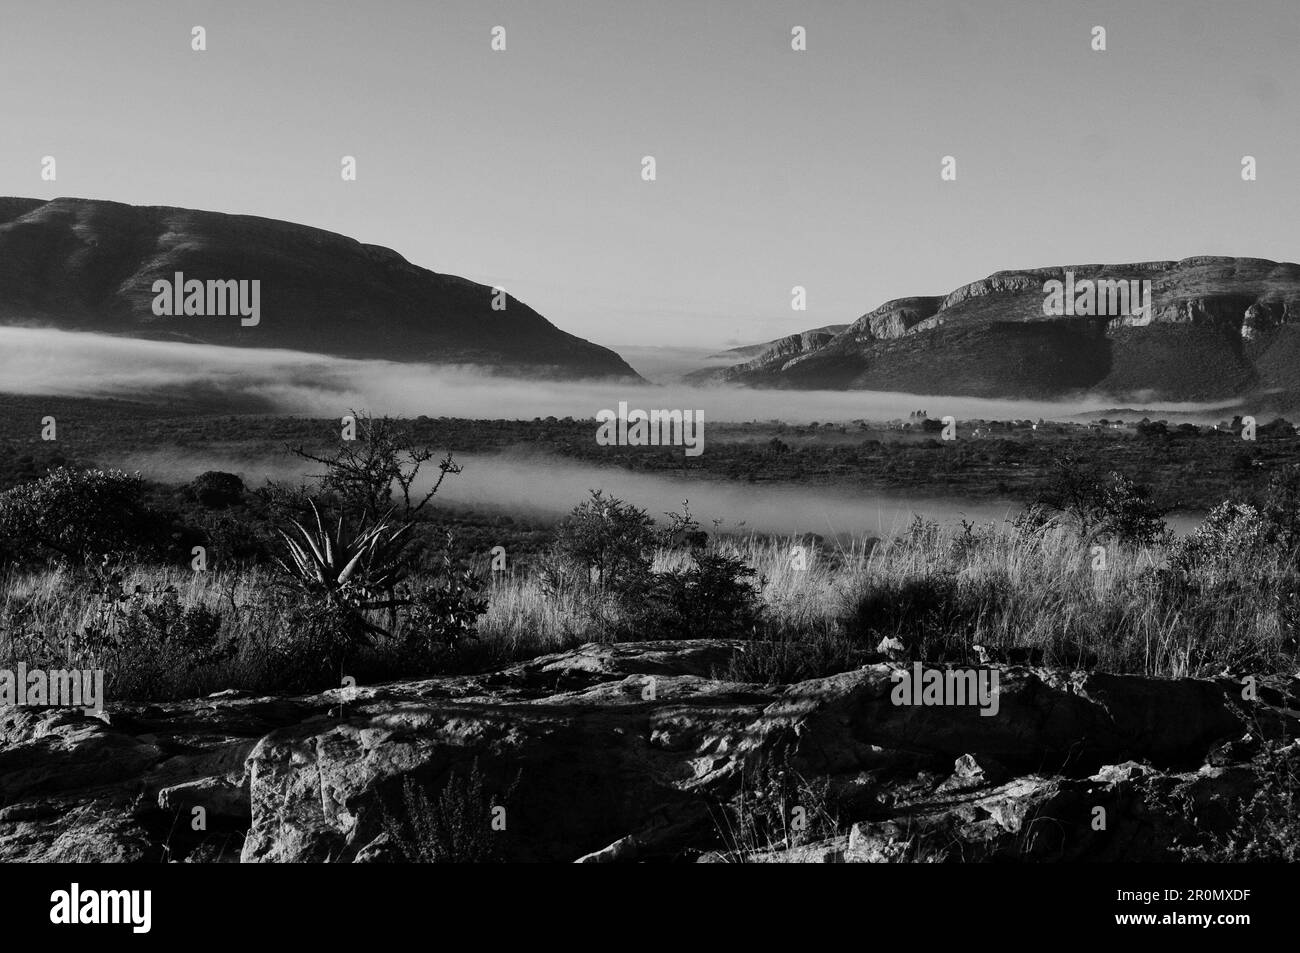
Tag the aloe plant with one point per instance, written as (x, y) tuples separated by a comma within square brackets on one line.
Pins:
[(356, 572)]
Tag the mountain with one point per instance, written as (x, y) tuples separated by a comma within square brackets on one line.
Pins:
[(814, 337), (760, 358), (83, 265), (1217, 328)]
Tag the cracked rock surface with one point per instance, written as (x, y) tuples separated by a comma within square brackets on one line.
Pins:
[(634, 751)]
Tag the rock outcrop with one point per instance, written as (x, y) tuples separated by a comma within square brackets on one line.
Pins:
[(779, 353), (767, 357), (638, 751)]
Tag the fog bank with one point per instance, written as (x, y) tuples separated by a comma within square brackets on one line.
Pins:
[(46, 362), (546, 487)]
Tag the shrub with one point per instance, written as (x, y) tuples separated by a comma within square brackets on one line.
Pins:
[(233, 537), (714, 597), (1267, 828), (558, 578), (215, 490), (344, 576), (683, 529), (610, 540), (343, 580), (1032, 523), (922, 534), (1230, 534), (969, 541), (453, 827), (146, 640), (441, 614), (318, 637), (1129, 514), (78, 515), (930, 612), (1113, 507)]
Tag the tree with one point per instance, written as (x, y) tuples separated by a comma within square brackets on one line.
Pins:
[(1130, 514), (381, 463), (609, 538), (1074, 492), (1110, 507)]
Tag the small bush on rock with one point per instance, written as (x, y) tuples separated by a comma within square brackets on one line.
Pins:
[(453, 827)]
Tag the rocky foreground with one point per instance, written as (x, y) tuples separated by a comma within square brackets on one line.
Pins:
[(638, 751)]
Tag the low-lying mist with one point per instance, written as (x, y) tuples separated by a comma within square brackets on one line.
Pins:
[(545, 487), (38, 361)]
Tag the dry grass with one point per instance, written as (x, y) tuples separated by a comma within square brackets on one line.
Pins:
[(938, 590)]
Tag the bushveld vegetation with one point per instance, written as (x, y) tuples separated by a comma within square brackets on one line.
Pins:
[(183, 591), (1196, 467), (353, 574)]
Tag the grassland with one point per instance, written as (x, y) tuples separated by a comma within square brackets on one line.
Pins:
[(1054, 592), (937, 590)]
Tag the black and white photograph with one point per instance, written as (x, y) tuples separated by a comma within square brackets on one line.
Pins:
[(780, 432)]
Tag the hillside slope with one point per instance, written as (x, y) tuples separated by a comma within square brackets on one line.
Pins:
[(1217, 328), (85, 265)]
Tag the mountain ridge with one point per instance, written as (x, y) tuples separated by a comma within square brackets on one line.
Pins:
[(90, 265), (1217, 327)]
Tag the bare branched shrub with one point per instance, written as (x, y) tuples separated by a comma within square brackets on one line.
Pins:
[(381, 466)]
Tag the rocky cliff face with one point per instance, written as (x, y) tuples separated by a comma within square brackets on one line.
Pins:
[(635, 752), (769, 356), (891, 320), (780, 352), (84, 265), (1216, 328)]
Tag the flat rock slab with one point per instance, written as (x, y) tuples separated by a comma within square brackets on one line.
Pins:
[(632, 751)]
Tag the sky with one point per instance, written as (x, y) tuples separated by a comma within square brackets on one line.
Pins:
[(774, 168)]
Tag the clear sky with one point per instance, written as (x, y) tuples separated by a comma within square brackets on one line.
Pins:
[(775, 168)]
